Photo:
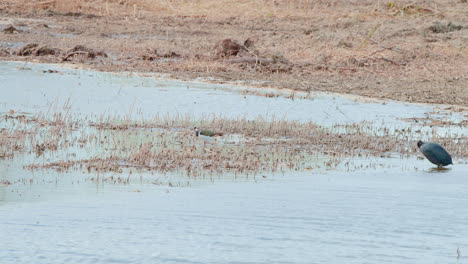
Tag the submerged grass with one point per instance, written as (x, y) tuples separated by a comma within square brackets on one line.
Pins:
[(167, 143)]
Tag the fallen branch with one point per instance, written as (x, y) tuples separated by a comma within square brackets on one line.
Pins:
[(385, 47), (326, 66), (75, 53), (252, 60), (393, 62)]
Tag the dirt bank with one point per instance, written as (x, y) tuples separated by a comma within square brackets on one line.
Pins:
[(408, 52)]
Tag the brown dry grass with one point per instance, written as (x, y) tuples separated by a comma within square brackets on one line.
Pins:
[(211, 8), (382, 49), (168, 143)]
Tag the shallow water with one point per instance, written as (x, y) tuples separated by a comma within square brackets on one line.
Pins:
[(369, 210), (97, 93), (372, 216), (11, 45)]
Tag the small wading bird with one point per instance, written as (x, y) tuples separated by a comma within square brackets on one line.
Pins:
[(206, 132), (435, 153)]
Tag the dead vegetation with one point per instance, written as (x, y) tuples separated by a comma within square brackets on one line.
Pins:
[(405, 51), (10, 29), (439, 27), (83, 52), (154, 55), (167, 143), (34, 49)]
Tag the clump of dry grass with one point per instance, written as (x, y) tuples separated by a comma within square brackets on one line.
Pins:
[(197, 159), (167, 143), (11, 141), (166, 150), (174, 133), (92, 164)]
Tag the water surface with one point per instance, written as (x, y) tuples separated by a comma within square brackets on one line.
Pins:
[(368, 210)]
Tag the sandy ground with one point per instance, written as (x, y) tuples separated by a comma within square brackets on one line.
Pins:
[(413, 52)]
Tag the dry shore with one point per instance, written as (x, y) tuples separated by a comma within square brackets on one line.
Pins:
[(414, 52)]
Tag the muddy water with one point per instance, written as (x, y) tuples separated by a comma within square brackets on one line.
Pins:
[(365, 211)]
